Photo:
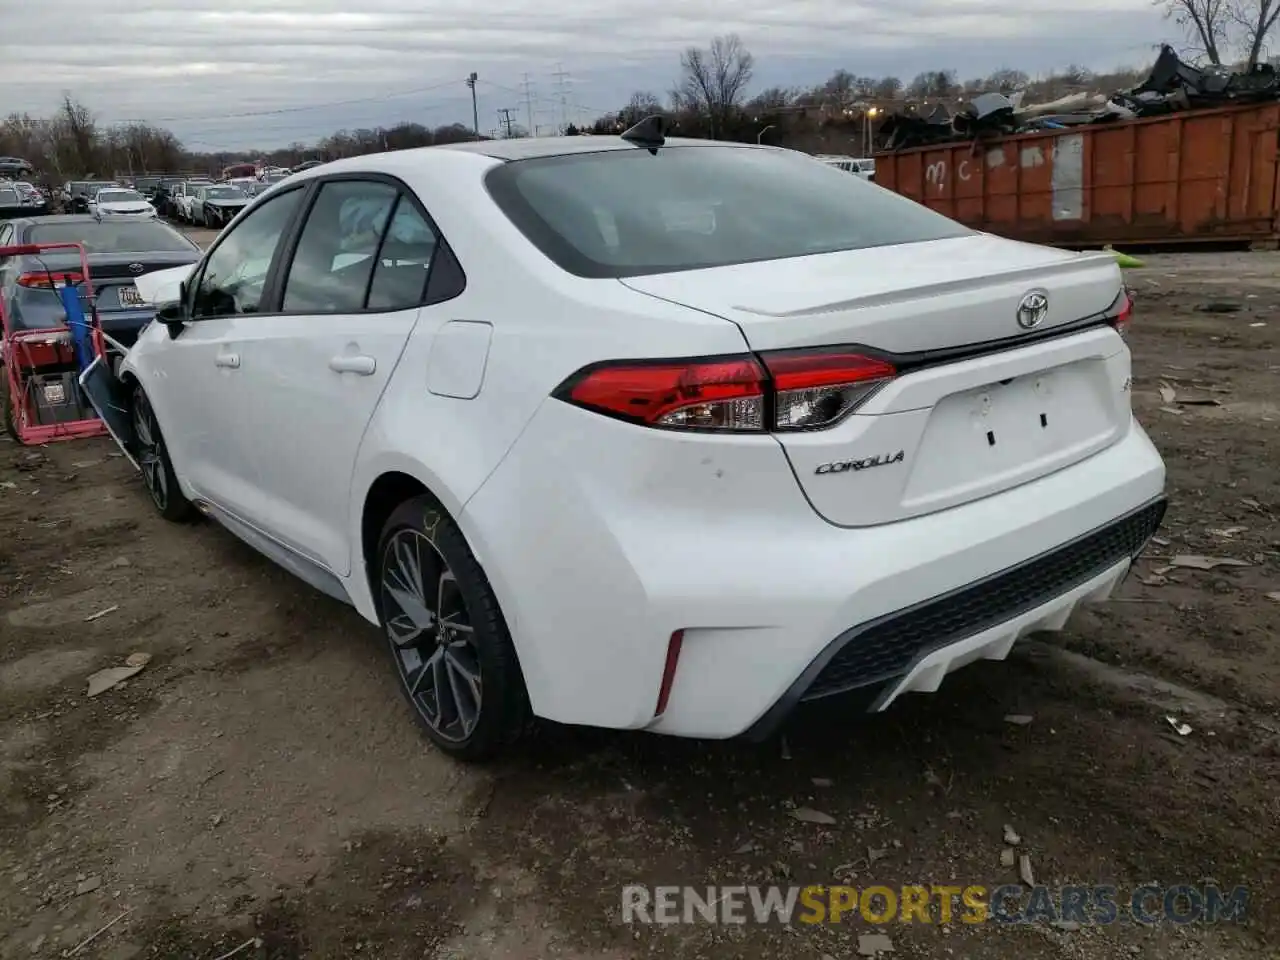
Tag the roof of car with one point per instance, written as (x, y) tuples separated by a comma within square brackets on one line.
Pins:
[(526, 148)]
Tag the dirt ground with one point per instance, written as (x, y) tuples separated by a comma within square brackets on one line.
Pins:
[(260, 783)]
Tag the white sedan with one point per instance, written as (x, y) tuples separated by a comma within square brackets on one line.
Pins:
[(584, 455), (114, 203)]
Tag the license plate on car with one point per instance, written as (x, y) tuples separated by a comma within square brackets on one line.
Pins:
[(130, 297)]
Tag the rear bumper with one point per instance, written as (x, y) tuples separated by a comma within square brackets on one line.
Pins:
[(597, 565), (911, 650)]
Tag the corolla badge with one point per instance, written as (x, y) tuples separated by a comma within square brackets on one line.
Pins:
[(862, 463), (1032, 309), (136, 268)]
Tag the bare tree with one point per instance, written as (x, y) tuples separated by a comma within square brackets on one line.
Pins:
[(713, 80), (1255, 18), (888, 88), (1006, 80), (1205, 21)]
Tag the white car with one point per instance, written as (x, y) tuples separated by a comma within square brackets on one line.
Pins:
[(119, 203), (585, 455)]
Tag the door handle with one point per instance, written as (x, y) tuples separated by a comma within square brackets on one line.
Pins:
[(358, 364), (229, 360)]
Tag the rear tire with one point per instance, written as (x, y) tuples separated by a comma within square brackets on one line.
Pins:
[(448, 640), (153, 459)]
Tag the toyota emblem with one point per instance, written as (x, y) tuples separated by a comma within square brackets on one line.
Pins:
[(138, 268), (1032, 309)]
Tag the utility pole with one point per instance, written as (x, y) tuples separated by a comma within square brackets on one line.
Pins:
[(562, 83), (505, 115), (475, 110), (528, 102)]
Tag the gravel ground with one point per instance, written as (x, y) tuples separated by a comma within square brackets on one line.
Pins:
[(261, 782)]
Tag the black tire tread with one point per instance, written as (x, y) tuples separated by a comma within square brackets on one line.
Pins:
[(179, 508), (515, 719)]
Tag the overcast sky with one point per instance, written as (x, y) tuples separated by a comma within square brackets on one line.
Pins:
[(243, 73)]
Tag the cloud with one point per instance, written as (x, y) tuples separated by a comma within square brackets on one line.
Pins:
[(241, 73)]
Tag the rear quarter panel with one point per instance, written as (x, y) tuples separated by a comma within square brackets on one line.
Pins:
[(546, 325)]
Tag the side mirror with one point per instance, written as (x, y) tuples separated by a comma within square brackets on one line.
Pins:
[(174, 317)]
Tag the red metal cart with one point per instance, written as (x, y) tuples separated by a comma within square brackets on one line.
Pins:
[(41, 393)]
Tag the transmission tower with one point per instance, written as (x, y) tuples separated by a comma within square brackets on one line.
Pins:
[(562, 86), (528, 104)]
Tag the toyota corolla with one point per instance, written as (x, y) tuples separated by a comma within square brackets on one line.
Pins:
[(648, 433)]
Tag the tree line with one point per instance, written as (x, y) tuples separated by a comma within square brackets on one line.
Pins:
[(708, 99)]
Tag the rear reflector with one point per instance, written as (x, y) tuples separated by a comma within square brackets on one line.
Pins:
[(669, 671), (783, 391)]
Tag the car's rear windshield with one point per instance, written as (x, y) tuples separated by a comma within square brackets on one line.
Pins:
[(119, 196), (8, 196), (623, 213), (134, 237)]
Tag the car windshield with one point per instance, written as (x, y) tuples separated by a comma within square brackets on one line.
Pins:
[(134, 237), (119, 196), (224, 193), (621, 213), (8, 196)]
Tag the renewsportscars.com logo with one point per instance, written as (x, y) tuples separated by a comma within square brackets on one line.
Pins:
[(1099, 904)]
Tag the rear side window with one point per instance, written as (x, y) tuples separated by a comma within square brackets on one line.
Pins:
[(337, 250), (404, 261), (622, 213)]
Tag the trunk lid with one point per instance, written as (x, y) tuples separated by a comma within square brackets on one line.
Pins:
[(1014, 406), (115, 278)]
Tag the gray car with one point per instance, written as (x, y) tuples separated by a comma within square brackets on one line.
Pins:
[(117, 254)]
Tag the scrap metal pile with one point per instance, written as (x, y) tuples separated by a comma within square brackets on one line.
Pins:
[(1172, 86)]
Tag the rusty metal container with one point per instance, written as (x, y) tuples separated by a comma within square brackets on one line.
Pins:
[(1209, 175)]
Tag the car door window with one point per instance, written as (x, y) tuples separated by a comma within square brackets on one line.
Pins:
[(338, 247), (236, 272), (404, 260), (6, 235)]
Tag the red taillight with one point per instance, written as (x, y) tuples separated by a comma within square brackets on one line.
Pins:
[(787, 390), (47, 281), (1121, 313), (714, 394), (815, 390)]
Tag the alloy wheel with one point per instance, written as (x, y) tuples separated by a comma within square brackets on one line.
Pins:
[(431, 635), (150, 451)]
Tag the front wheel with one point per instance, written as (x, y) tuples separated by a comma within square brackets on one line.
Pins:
[(449, 642), (153, 460)]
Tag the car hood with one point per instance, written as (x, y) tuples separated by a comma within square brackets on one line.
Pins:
[(126, 206)]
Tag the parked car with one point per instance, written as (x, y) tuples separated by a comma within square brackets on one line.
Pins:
[(77, 193), (118, 251), (860, 167), (12, 202), (181, 198), (216, 205), (117, 203), (584, 454), (15, 168)]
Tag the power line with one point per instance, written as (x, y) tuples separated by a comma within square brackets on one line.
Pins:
[(282, 110)]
